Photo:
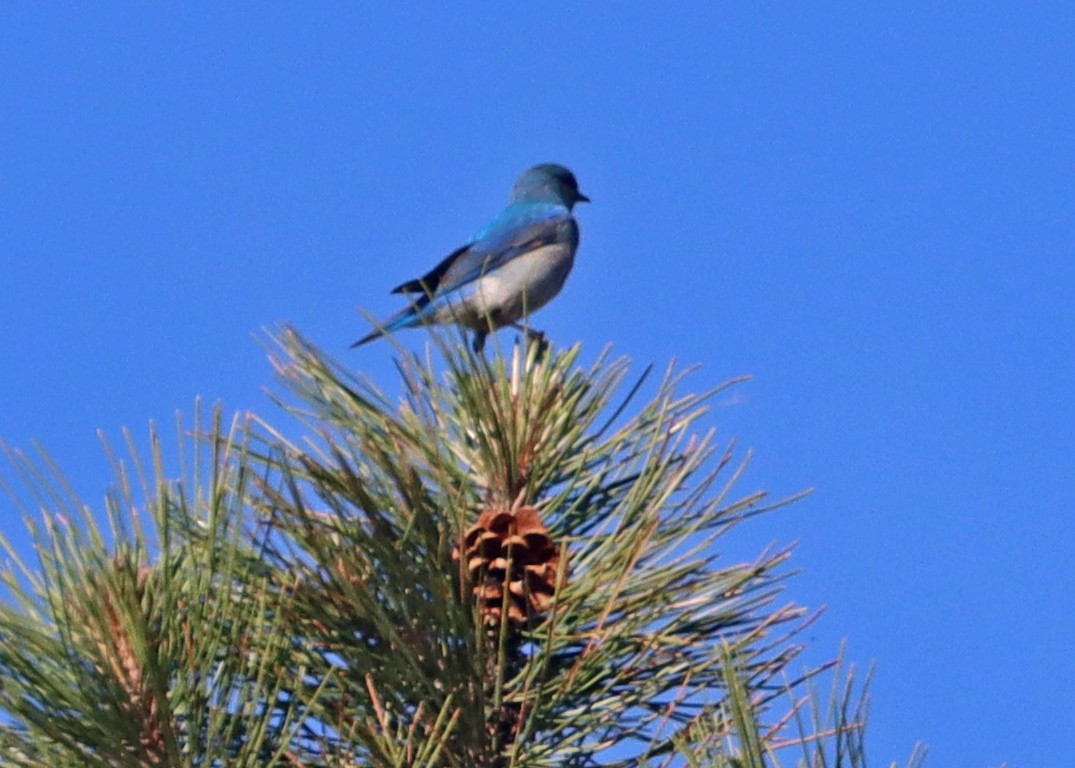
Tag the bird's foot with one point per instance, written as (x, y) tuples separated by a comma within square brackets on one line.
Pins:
[(537, 338), (479, 341)]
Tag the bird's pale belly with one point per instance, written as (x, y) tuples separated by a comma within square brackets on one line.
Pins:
[(515, 290)]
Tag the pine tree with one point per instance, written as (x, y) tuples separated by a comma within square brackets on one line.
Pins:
[(510, 564)]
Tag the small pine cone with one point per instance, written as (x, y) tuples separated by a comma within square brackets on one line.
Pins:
[(109, 603), (511, 550)]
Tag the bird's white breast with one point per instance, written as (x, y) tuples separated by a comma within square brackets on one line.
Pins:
[(525, 284), (516, 288)]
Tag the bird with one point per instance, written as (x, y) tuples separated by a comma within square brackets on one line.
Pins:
[(512, 267)]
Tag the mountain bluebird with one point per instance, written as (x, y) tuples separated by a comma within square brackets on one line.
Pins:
[(509, 269)]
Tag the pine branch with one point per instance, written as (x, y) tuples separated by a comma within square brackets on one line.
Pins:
[(623, 644), (145, 648), (518, 561)]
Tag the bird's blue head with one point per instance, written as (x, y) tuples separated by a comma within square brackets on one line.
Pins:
[(549, 182)]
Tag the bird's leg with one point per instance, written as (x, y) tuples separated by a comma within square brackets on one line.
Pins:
[(479, 341)]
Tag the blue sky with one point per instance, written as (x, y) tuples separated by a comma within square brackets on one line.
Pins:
[(869, 207)]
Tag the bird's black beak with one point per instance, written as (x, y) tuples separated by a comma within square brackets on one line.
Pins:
[(581, 198)]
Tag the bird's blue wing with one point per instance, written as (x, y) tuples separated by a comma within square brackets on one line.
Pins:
[(521, 227)]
